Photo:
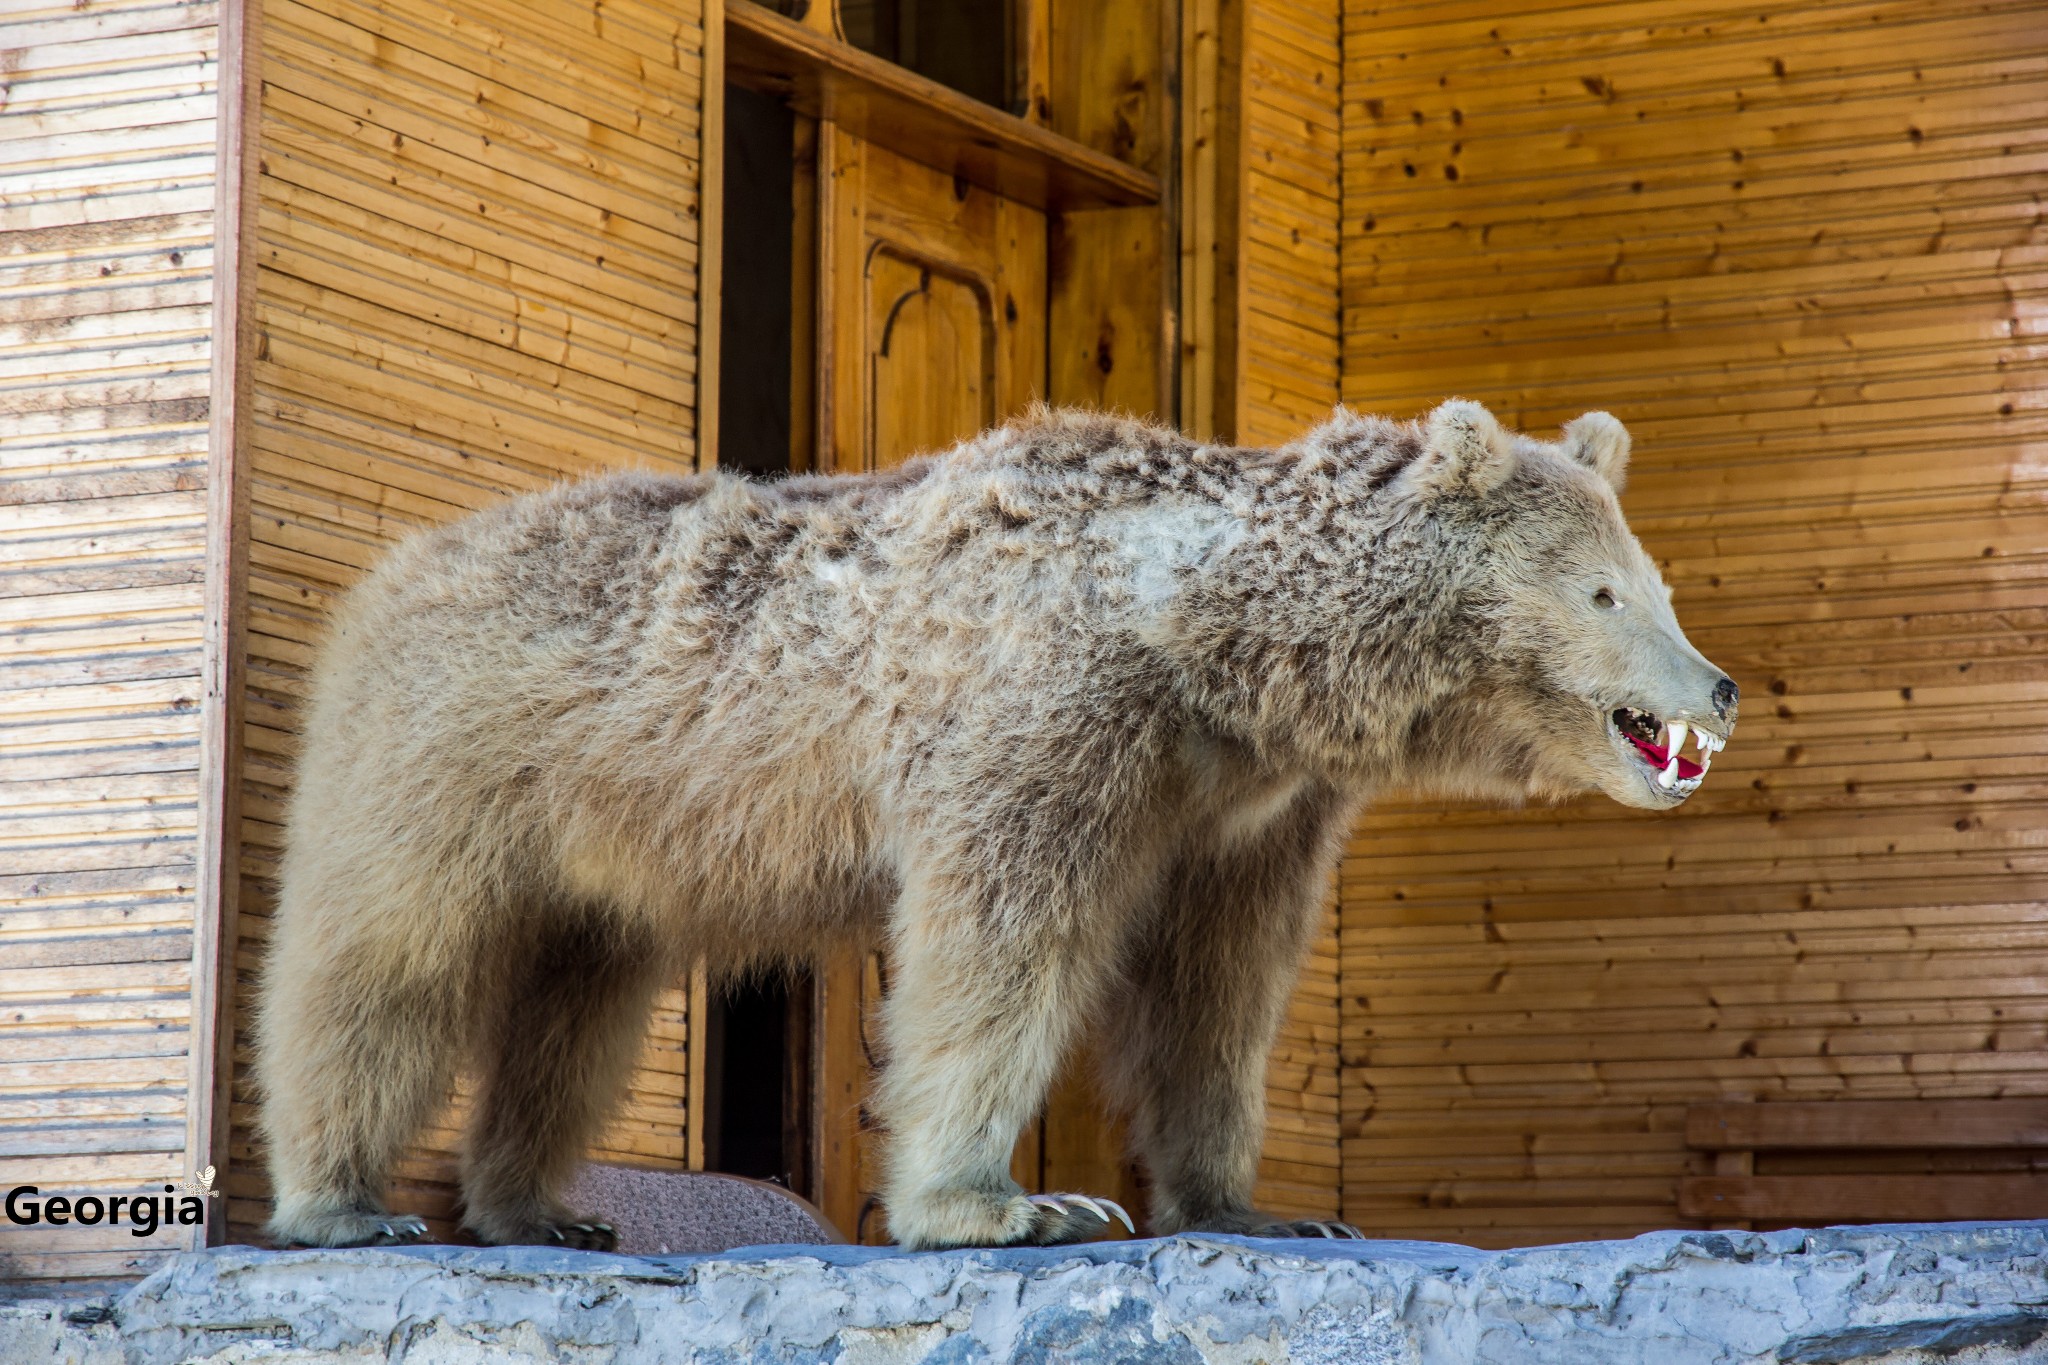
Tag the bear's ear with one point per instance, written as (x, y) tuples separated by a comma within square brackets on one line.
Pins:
[(1463, 451), (1600, 442)]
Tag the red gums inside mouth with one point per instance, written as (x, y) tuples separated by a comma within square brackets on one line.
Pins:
[(1657, 756)]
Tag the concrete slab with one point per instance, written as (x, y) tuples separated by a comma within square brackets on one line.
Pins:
[(1970, 1294)]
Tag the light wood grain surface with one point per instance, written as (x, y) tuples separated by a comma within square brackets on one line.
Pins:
[(106, 277), (1796, 249), (478, 250)]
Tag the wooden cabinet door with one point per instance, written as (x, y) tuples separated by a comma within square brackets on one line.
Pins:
[(931, 306)]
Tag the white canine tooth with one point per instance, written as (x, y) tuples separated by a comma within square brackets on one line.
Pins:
[(1678, 732), (1668, 776)]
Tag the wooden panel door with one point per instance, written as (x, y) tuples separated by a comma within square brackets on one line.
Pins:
[(931, 362), (931, 306)]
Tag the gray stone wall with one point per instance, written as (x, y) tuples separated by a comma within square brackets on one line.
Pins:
[(1959, 1293)]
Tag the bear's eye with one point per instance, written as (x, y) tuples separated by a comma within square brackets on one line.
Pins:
[(1606, 600)]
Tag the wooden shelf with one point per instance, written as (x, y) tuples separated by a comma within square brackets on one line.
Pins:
[(921, 119)]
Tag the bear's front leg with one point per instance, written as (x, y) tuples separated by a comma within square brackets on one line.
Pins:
[(1191, 1031), (984, 998)]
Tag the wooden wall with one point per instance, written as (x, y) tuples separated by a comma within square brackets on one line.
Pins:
[(1288, 331), (477, 255), (106, 261), (1796, 248), (1791, 246)]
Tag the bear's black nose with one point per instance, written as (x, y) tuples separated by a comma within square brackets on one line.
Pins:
[(1726, 694)]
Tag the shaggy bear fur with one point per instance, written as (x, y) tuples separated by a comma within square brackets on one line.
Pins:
[(1071, 719)]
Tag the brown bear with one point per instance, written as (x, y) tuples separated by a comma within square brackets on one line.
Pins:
[(1071, 719)]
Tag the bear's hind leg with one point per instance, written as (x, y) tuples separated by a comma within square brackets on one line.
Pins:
[(562, 1038), (357, 1043)]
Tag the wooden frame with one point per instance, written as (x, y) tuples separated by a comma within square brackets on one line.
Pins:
[(710, 235), (216, 892), (1212, 219), (1113, 322), (693, 1115), (1736, 1131), (1031, 62), (827, 79)]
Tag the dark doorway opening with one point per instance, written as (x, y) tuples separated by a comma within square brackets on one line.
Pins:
[(965, 44), (757, 1083), (754, 316)]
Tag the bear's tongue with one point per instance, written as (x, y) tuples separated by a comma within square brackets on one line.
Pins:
[(1659, 757)]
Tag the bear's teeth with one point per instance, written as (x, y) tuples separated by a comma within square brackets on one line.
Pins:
[(1674, 747)]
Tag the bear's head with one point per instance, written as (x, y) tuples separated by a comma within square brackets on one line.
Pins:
[(1454, 607), (1572, 671)]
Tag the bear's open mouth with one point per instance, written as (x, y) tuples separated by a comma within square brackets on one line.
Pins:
[(1661, 745)]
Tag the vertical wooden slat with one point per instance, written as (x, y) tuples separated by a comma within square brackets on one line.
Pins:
[(215, 908), (699, 1004), (711, 230), (806, 297), (1031, 74), (840, 1071), (1211, 216), (1288, 291)]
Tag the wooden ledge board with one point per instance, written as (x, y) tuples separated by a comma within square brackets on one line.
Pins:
[(1831, 1124), (918, 118)]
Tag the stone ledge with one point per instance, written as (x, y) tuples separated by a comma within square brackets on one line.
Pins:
[(1971, 1294)]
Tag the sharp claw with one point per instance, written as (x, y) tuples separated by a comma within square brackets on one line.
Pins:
[(555, 1235), (385, 1228), (1353, 1233), (1323, 1230), (602, 1227), (1089, 1204), (1122, 1217)]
